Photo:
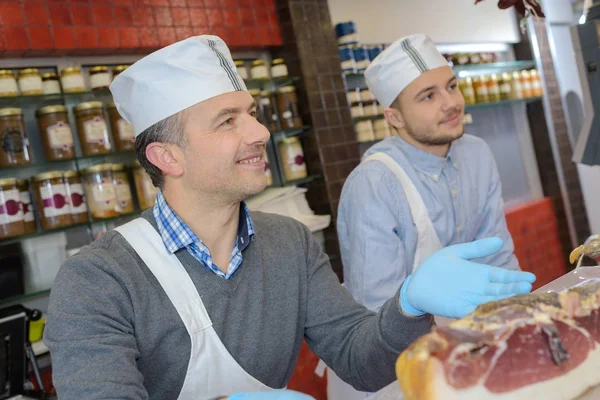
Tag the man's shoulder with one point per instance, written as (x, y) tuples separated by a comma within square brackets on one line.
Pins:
[(275, 223)]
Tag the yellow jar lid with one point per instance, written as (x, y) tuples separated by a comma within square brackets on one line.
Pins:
[(51, 109), (118, 167), (256, 63), (98, 168), (239, 63), (29, 71), (22, 182), (120, 68), (265, 93), (254, 92), (98, 68), (48, 175), (70, 71), (277, 61), (88, 105), (9, 112), (293, 140), (49, 75), (286, 89), (6, 73), (8, 181), (71, 173)]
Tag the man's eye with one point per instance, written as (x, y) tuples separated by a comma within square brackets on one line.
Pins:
[(428, 97), (229, 121), (453, 86), (253, 113)]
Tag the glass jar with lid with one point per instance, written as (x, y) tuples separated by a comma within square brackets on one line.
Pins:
[(240, 66), (30, 82), (91, 128), (505, 82), (26, 205), (536, 83), (50, 83), (55, 131), (381, 128), (481, 90), (8, 83), (493, 88), (364, 131), (50, 194), (99, 77), (278, 68), (123, 187), (258, 70), (466, 88), (292, 159), (144, 188), (356, 110), (526, 84), (353, 96), (517, 86), (267, 108), (101, 192), (366, 95), (76, 197), (71, 80), (260, 116), (122, 130), (11, 214), (118, 69), (14, 144), (287, 105)]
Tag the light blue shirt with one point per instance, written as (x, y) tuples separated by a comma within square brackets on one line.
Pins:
[(378, 239)]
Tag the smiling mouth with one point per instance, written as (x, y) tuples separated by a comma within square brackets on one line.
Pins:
[(250, 160)]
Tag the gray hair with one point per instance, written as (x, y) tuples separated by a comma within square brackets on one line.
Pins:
[(169, 130)]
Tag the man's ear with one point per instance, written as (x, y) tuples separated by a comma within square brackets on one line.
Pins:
[(394, 117), (166, 157)]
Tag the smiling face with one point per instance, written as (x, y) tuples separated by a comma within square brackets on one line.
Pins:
[(430, 109)]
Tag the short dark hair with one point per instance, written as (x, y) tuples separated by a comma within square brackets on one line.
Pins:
[(169, 130)]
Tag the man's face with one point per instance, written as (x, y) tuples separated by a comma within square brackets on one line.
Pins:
[(432, 108), (225, 154)]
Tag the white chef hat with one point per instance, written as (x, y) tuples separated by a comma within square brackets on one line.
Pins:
[(174, 78), (400, 64)]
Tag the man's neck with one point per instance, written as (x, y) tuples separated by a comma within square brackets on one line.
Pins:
[(440, 150), (214, 222)]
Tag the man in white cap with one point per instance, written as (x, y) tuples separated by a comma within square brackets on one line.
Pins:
[(428, 187), (201, 299)]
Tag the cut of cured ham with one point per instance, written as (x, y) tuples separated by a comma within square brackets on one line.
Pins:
[(535, 346)]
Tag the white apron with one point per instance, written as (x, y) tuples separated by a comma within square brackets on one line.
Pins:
[(212, 372), (427, 244)]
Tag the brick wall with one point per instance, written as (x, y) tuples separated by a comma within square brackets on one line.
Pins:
[(97, 27)]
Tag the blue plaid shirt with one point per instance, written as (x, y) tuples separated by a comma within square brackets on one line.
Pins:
[(177, 235)]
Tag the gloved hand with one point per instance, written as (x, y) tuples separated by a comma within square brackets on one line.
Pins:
[(448, 285), (271, 395)]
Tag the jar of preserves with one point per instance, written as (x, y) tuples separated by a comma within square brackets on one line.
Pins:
[(536, 83), (526, 84), (11, 214), (118, 69), (124, 198), (356, 110), (346, 33), (517, 86), (292, 159), (26, 205), (347, 62), (99, 77), (278, 68), (353, 96), (55, 131), (370, 109), (260, 117), (91, 128), (481, 90), (121, 129), (466, 88), (266, 106), (144, 188), (240, 67), (493, 88), (506, 92), (30, 82), (50, 193), (366, 95), (76, 197), (101, 191), (258, 70), (364, 131), (8, 83), (287, 105), (50, 83), (71, 80), (361, 58), (381, 128), (14, 144)]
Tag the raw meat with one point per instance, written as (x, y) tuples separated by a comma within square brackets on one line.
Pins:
[(536, 346)]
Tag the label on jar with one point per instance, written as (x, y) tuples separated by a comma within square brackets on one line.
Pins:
[(59, 136), (363, 64), (348, 65), (494, 89), (95, 131), (242, 72), (77, 201), (13, 141), (527, 86), (536, 84), (54, 198), (279, 71), (468, 92), (482, 90), (348, 39), (10, 207), (353, 97), (30, 84), (8, 86), (100, 80), (125, 130), (295, 159), (73, 82), (51, 87), (259, 72), (104, 193), (123, 192), (505, 88), (25, 199)]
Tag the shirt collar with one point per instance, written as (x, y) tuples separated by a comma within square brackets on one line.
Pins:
[(177, 235), (425, 162)]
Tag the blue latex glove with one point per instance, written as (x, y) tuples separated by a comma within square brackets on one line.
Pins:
[(271, 395), (448, 285)]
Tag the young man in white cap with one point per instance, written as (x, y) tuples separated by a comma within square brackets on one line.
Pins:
[(426, 188), (201, 299)]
